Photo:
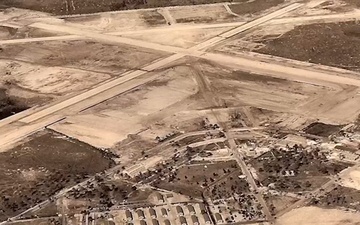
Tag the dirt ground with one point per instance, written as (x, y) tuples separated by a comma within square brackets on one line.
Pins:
[(131, 112), (86, 55), (310, 169), (7, 33), (278, 203), (352, 180), (332, 44), (105, 193), (193, 180), (37, 169), (60, 7), (201, 14), (340, 197), (253, 7), (318, 216), (352, 2)]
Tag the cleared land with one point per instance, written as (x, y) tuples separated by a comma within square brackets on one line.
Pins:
[(315, 215)]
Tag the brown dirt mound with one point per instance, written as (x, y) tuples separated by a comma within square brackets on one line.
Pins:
[(332, 44)]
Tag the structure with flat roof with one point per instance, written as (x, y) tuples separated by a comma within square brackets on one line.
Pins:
[(191, 209), (218, 218), (129, 216), (152, 213), (167, 222), (164, 212), (140, 214), (207, 219), (155, 222), (195, 220), (179, 210), (183, 220)]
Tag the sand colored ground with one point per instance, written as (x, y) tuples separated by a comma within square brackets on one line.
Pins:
[(319, 216), (119, 21), (52, 80), (179, 38), (352, 180), (111, 121), (201, 14)]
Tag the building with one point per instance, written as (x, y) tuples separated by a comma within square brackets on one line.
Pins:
[(152, 213), (155, 222), (143, 222), (191, 209), (202, 208), (207, 219), (167, 222), (195, 220), (164, 212), (179, 210), (140, 214), (218, 218), (129, 216), (160, 198), (183, 220)]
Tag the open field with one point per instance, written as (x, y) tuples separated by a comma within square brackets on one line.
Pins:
[(315, 215)]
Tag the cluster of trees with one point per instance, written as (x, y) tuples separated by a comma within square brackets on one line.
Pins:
[(36, 191)]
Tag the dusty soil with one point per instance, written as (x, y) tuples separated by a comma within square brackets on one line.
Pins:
[(309, 169), (332, 44), (25, 32), (35, 170), (340, 197), (318, 216), (227, 186), (278, 203), (253, 7), (81, 54), (192, 180), (60, 7), (9, 105), (105, 194), (352, 2)]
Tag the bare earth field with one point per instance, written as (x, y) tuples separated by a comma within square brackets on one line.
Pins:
[(35, 170), (315, 215)]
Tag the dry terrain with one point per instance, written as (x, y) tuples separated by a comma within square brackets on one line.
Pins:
[(40, 167), (228, 113)]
